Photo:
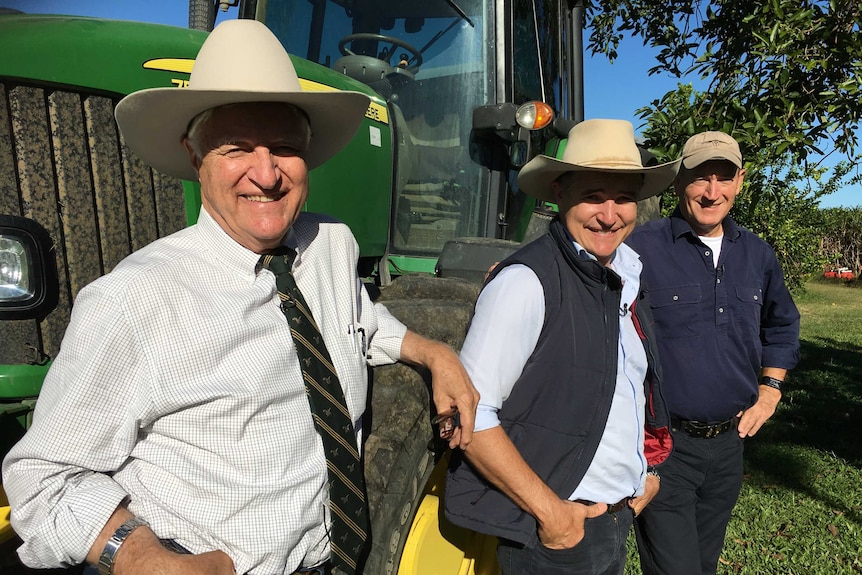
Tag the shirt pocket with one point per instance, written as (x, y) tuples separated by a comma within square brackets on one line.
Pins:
[(749, 305), (676, 310), (356, 343)]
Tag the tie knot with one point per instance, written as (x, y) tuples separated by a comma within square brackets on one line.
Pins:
[(279, 261)]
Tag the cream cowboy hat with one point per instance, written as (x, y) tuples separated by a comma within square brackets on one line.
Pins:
[(241, 61), (596, 146)]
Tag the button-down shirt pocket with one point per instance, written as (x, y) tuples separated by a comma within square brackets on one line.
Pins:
[(748, 309), (680, 315), (358, 336)]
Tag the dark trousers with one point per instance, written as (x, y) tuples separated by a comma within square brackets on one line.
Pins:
[(681, 531), (601, 552)]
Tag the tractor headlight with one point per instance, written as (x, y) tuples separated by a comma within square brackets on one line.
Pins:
[(14, 270), (28, 272)]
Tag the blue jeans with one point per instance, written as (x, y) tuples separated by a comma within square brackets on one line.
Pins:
[(601, 552)]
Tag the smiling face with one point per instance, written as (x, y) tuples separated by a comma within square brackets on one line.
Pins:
[(706, 194), (254, 180), (598, 208)]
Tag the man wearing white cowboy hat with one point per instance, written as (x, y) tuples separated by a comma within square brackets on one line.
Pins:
[(728, 332), (176, 413), (562, 352)]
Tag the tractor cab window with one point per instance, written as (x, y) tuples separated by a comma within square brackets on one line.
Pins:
[(539, 52), (430, 59)]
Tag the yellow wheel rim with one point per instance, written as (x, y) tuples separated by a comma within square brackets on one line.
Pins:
[(6, 532), (436, 547)]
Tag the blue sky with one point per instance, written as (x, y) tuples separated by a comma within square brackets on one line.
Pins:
[(611, 91)]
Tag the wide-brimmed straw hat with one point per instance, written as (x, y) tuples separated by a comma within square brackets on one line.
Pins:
[(241, 61), (596, 146)]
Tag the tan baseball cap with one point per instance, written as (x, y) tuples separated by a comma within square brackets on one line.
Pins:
[(708, 146)]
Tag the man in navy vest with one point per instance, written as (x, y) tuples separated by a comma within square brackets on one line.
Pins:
[(728, 331), (571, 423)]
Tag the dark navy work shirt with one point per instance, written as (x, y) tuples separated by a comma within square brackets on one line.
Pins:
[(716, 327)]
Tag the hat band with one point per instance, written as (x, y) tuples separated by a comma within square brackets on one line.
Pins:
[(610, 163)]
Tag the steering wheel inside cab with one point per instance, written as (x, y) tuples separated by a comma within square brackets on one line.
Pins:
[(394, 64)]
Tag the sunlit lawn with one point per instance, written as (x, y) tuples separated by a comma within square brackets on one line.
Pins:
[(800, 511)]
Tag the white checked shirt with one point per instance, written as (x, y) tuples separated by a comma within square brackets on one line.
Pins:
[(177, 386)]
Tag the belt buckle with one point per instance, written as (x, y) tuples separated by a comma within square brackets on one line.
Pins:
[(620, 505), (697, 429), (719, 428)]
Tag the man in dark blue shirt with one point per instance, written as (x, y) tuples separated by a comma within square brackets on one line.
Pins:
[(727, 331)]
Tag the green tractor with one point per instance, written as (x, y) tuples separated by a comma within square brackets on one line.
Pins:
[(463, 93)]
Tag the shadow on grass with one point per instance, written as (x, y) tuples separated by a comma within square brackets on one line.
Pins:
[(781, 464), (823, 405), (822, 409)]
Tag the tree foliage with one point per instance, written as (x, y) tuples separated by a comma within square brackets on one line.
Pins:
[(780, 198), (787, 72), (784, 79)]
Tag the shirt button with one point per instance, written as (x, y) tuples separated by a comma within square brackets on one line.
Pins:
[(706, 253), (755, 298), (721, 310), (676, 297), (718, 280)]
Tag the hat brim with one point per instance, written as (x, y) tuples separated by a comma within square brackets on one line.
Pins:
[(536, 176), (154, 121)]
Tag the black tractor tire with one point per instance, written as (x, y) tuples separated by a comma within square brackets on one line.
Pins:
[(402, 448), (202, 15), (649, 210)]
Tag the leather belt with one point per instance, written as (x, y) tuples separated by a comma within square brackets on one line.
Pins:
[(612, 507), (701, 429)]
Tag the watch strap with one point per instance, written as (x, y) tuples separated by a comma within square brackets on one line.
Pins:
[(109, 553), (771, 382)]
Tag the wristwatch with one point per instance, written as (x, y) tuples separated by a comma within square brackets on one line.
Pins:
[(654, 472), (771, 382), (106, 559)]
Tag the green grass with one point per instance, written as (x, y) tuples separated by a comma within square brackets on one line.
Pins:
[(800, 510)]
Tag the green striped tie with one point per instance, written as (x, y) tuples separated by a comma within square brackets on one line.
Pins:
[(347, 505)]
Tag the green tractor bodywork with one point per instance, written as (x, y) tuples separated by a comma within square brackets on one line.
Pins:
[(431, 171)]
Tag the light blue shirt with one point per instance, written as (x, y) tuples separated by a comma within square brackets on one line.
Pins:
[(509, 316)]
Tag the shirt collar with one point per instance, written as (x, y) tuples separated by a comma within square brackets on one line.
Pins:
[(680, 227), (583, 254), (626, 262), (228, 252)]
